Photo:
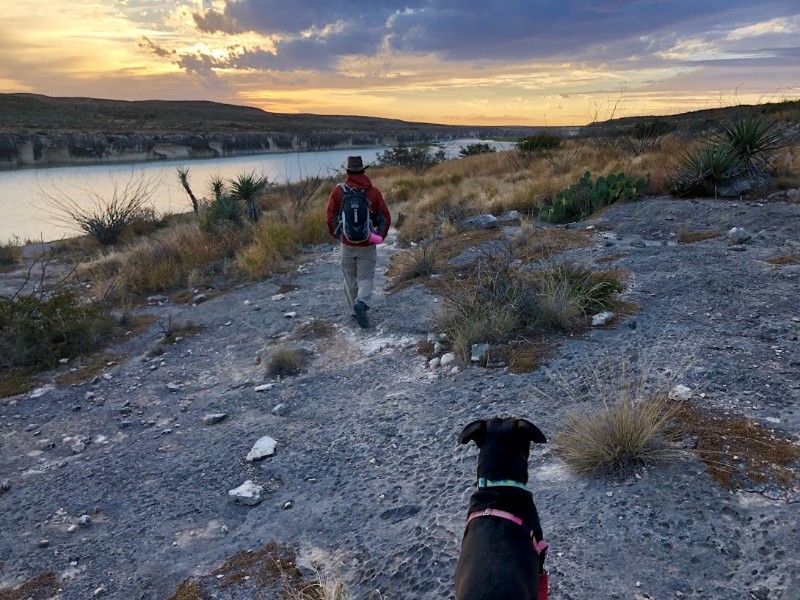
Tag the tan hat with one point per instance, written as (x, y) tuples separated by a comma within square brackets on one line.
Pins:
[(354, 163)]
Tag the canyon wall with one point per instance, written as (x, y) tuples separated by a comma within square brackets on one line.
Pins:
[(40, 149)]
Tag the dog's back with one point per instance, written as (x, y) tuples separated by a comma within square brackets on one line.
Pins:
[(498, 560)]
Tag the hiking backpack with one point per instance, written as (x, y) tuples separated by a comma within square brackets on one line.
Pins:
[(354, 218)]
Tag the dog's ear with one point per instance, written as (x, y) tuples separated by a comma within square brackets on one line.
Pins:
[(474, 432), (530, 431)]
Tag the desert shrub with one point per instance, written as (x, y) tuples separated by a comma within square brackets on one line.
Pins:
[(10, 252), (496, 302), (470, 320), (38, 332), (538, 143), (581, 199), (220, 213), (475, 149), (417, 158), (285, 361), (569, 292), (104, 219)]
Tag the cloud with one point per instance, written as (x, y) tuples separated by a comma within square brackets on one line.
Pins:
[(212, 21)]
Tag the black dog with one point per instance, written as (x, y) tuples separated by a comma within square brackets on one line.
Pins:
[(502, 553)]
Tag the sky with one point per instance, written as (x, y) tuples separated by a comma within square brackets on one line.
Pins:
[(487, 62)]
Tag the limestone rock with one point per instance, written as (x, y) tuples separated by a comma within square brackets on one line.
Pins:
[(247, 494), (479, 222), (263, 447)]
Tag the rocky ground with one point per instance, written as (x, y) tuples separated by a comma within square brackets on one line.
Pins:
[(120, 485)]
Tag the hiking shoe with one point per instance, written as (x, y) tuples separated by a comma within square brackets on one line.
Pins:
[(361, 314)]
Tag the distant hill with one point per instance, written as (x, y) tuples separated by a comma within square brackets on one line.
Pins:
[(33, 113), (700, 120)]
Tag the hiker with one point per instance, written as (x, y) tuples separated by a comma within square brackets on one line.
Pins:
[(362, 225)]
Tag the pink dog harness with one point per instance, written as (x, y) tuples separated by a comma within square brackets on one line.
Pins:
[(539, 546)]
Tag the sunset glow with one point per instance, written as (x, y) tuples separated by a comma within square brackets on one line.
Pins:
[(422, 60)]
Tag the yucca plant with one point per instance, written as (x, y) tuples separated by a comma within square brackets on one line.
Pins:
[(752, 139), (246, 188), (702, 168)]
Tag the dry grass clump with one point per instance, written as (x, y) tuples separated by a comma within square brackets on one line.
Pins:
[(568, 293), (422, 260), (167, 260), (10, 252), (285, 361), (269, 572), (315, 328), (534, 243), (630, 420), (684, 236), (618, 436)]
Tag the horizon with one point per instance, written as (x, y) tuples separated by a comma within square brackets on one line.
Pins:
[(432, 61)]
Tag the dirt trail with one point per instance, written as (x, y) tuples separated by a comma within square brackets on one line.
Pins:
[(368, 479)]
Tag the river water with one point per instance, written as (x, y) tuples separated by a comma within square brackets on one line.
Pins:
[(25, 213)]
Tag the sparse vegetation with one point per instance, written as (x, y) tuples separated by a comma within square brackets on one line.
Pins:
[(38, 332), (285, 361), (10, 251), (104, 219)]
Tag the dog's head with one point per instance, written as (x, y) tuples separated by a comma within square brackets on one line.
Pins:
[(504, 446)]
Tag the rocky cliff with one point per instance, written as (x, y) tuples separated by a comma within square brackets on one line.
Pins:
[(44, 149)]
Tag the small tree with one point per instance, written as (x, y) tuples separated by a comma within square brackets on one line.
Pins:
[(183, 176)]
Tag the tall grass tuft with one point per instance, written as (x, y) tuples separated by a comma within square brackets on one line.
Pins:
[(629, 421)]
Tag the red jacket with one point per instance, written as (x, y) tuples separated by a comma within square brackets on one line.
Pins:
[(379, 212)]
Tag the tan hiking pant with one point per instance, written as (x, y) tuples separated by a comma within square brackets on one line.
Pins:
[(358, 267)]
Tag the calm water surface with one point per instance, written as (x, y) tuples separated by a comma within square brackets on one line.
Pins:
[(25, 214)]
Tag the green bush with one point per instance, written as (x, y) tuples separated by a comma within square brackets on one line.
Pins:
[(220, 214), (417, 158), (538, 143), (475, 149), (38, 333), (581, 199)]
